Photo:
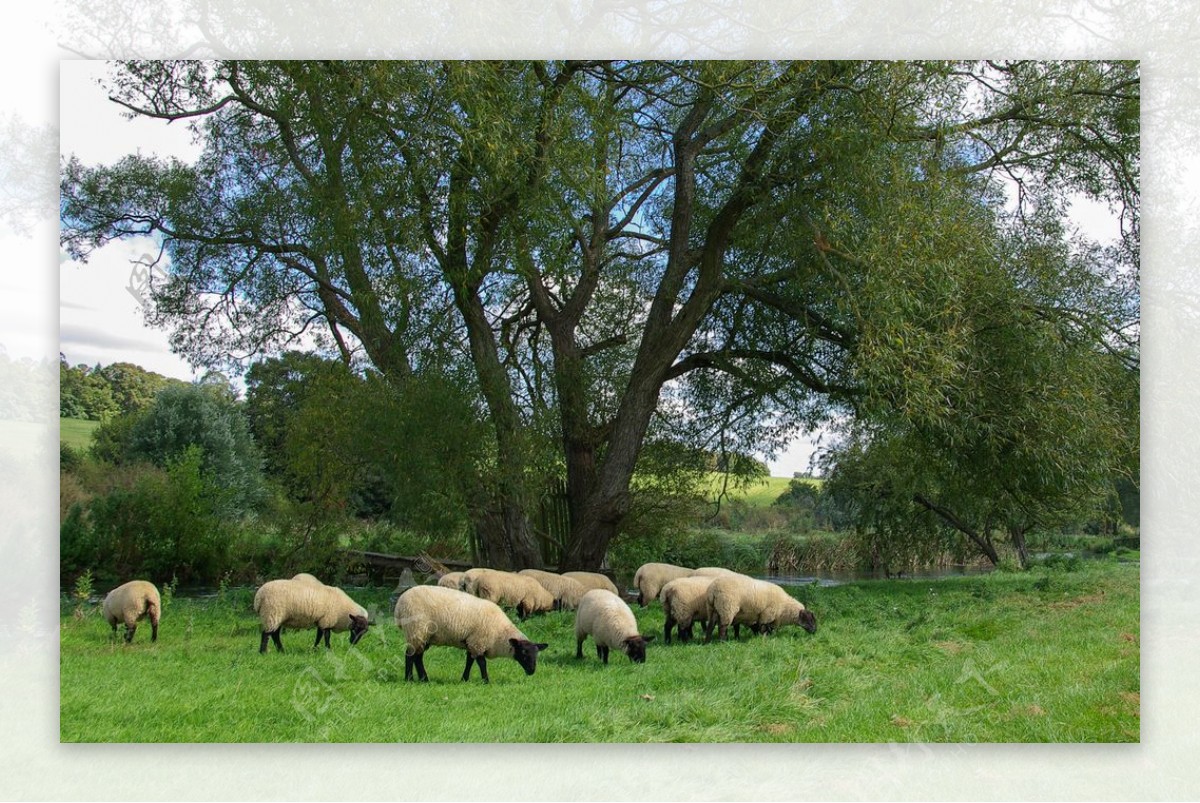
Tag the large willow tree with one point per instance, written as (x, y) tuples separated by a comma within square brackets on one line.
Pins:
[(724, 251)]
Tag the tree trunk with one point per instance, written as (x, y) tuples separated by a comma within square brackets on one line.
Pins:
[(1017, 535), (980, 539)]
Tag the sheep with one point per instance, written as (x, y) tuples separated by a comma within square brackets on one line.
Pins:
[(438, 616), (450, 579), (610, 622), (685, 601), (301, 603), (651, 577), (590, 580), (566, 591), (740, 600), (128, 603), (467, 581), (713, 571), (305, 577), (506, 588)]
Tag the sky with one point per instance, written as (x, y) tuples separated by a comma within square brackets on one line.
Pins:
[(100, 303)]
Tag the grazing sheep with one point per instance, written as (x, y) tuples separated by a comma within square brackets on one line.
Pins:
[(566, 591), (685, 601), (610, 622), (137, 599), (467, 581), (450, 579), (506, 588), (299, 604), (712, 571), (740, 600), (651, 577), (305, 577), (436, 616), (590, 580)]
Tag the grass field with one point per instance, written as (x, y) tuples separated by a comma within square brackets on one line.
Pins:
[(1043, 655), (758, 493), (77, 432)]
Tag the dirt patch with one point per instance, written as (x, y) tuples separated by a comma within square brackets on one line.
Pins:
[(1130, 637), (902, 722), (950, 647), (777, 728)]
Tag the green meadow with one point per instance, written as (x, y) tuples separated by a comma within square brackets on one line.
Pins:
[(77, 432), (1048, 655)]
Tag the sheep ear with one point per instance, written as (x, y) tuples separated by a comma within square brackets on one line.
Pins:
[(648, 638), (541, 647)]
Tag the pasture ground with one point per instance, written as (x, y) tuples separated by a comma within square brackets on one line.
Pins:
[(77, 432), (1048, 655)]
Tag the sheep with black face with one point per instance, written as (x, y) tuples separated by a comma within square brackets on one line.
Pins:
[(609, 621), (432, 616)]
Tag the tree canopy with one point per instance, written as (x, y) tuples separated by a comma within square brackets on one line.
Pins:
[(720, 253)]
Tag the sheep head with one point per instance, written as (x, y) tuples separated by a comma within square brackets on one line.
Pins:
[(526, 653)]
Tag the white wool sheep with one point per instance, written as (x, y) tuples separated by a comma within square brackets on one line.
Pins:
[(741, 600), (712, 571), (305, 577), (435, 616), (685, 601), (131, 602), (609, 621), (651, 577), (301, 603), (467, 581), (590, 580), (523, 593), (450, 579), (567, 591)]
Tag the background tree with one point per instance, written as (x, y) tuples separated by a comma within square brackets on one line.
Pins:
[(84, 393), (209, 421), (741, 249)]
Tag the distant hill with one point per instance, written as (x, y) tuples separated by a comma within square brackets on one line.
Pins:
[(759, 493)]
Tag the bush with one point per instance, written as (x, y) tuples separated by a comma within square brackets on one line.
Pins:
[(155, 523)]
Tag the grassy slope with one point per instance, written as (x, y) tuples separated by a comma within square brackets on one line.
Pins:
[(760, 493), (77, 432), (1039, 656)]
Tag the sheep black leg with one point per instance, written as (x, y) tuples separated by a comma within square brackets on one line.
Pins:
[(328, 630), (604, 657), (262, 647), (129, 631), (467, 671), (154, 631), (317, 643), (421, 673), (578, 648), (483, 668), (737, 632), (409, 661), (277, 640), (723, 632), (667, 630), (685, 633)]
